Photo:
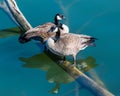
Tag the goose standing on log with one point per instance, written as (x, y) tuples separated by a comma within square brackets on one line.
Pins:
[(40, 32), (69, 44)]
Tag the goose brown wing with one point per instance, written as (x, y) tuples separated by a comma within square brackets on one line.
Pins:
[(39, 31)]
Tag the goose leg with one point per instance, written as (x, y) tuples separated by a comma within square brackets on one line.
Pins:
[(74, 60)]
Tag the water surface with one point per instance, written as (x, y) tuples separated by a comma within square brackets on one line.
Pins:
[(99, 18)]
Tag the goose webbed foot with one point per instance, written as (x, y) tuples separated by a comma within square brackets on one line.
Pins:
[(73, 65), (60, 61)]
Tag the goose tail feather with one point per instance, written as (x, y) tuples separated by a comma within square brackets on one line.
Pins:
[(91, 41)]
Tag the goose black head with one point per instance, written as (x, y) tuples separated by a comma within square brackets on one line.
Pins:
[(58, 17), (22, 39)]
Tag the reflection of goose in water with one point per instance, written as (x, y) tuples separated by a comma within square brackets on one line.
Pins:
[(54, 73), (39, 32), (69, 44)]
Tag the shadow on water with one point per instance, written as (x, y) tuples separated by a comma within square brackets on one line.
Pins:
[(10, 32)]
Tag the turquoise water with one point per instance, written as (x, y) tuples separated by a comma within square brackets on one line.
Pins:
[(99, 18)]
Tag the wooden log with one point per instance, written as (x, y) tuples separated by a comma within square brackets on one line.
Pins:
[(80, 77), (17, 15), (84, 80)]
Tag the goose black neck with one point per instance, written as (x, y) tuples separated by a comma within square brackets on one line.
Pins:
[(57, 22), (57, 36)]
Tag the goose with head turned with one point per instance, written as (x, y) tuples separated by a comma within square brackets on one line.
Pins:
[(40, 32)]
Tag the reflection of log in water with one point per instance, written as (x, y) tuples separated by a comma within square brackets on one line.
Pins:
[(74, 72)]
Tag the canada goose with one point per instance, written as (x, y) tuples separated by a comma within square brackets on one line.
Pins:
[(69, 44), (39, 32)]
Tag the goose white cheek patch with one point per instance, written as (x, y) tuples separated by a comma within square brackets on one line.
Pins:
[(58, 18)]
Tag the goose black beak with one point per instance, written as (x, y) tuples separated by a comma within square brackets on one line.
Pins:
[(64, 18)]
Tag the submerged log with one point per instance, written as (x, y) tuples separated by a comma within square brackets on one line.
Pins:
[(80, 77), (84, 80)]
